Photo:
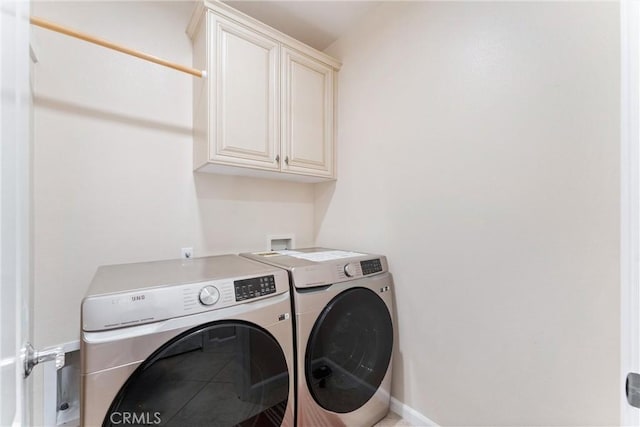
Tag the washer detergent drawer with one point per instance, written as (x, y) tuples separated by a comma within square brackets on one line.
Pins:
[(113, 348)]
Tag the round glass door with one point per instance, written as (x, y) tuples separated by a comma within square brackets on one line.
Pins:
[(220, 374), (349, 350)]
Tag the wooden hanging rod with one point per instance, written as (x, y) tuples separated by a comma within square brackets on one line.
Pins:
[(104, 43)]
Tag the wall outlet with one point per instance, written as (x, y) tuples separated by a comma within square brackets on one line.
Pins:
[(187, 253)]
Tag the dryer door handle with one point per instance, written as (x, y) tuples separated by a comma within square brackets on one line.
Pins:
[(321, 374)]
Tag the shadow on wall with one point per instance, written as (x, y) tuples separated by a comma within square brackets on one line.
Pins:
[(237, 213), (398, 362), (111, 116), (323, 195), (240, 188)]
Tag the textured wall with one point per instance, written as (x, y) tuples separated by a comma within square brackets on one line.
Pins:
[(479, 149)]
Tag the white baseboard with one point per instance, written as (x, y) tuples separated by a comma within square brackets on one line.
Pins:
[(411, 415)]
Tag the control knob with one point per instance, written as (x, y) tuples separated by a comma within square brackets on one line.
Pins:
[(350, 270), (209, 295)]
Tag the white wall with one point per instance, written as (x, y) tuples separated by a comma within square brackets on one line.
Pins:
[(112, 174), (478, 149)]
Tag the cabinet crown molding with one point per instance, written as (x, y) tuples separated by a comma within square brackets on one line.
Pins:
[(228, 12)]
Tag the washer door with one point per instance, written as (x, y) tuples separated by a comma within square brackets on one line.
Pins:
[(349, 350), (220, 374)]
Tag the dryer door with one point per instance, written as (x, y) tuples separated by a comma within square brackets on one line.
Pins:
[(221, 374), (349, 350)]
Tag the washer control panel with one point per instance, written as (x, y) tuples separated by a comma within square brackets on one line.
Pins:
[(209, 295), (254, 287), (110, 311)]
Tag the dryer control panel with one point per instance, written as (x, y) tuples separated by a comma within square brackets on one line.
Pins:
[(371, 266), (357, 269), (339, 271), (320, 266)]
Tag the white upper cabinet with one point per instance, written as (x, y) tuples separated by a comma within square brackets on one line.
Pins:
[(307, 115), (244, 86), (267, 106)]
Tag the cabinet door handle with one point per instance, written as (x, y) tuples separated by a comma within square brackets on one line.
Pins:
[(286, 160), (278, 158)]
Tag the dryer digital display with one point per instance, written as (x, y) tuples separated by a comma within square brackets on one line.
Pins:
[(254, 287), (371, 266)]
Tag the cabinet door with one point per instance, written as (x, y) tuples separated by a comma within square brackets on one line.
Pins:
[(307, 115), (244, 109)]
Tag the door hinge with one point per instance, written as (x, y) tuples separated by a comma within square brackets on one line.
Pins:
[(33, 357)]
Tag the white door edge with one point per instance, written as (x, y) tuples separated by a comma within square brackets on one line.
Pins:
[(629, 202), (15, 152)]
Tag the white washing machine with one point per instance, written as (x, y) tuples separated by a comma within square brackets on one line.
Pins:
[(198, 342), (344, 334)]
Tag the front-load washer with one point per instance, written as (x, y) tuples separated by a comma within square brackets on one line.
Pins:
[(196, 342), (344, 334)]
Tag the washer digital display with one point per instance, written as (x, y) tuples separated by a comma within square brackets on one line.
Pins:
[(254, 287)]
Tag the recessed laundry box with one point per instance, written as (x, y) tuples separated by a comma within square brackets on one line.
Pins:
[(203, 341)]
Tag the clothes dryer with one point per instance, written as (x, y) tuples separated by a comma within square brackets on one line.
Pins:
[(196, 342), (344, 334)]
